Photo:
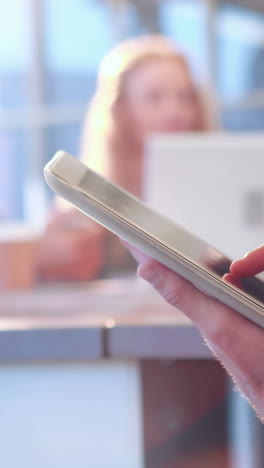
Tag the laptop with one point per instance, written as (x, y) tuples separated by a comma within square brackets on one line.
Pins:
[(213, 185)]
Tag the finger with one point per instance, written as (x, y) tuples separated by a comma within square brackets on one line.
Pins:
[(250, 265), (233, 280)]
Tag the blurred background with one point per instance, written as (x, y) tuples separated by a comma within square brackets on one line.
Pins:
[(49, 55), (103, 374)]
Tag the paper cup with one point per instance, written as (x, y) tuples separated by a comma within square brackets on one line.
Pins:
[(18, 252)]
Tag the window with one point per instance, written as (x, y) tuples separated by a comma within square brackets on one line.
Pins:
[(13, 163), (48, 68), (47, 76), (77, 34), (185, 22), (240, 67), (15, 58), (48, 73), (15, 63)]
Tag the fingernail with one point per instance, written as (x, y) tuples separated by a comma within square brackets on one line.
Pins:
[(150, 274)]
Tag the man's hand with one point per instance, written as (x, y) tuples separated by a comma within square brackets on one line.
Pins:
[(236, 341)]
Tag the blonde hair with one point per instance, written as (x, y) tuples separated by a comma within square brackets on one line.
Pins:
[(101, 133)]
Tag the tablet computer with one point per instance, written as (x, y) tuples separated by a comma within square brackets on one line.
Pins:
[(159, 237)]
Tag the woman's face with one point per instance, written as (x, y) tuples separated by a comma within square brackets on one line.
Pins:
[(159, 98)]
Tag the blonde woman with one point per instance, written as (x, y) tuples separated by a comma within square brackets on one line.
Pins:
[(144, 86)]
